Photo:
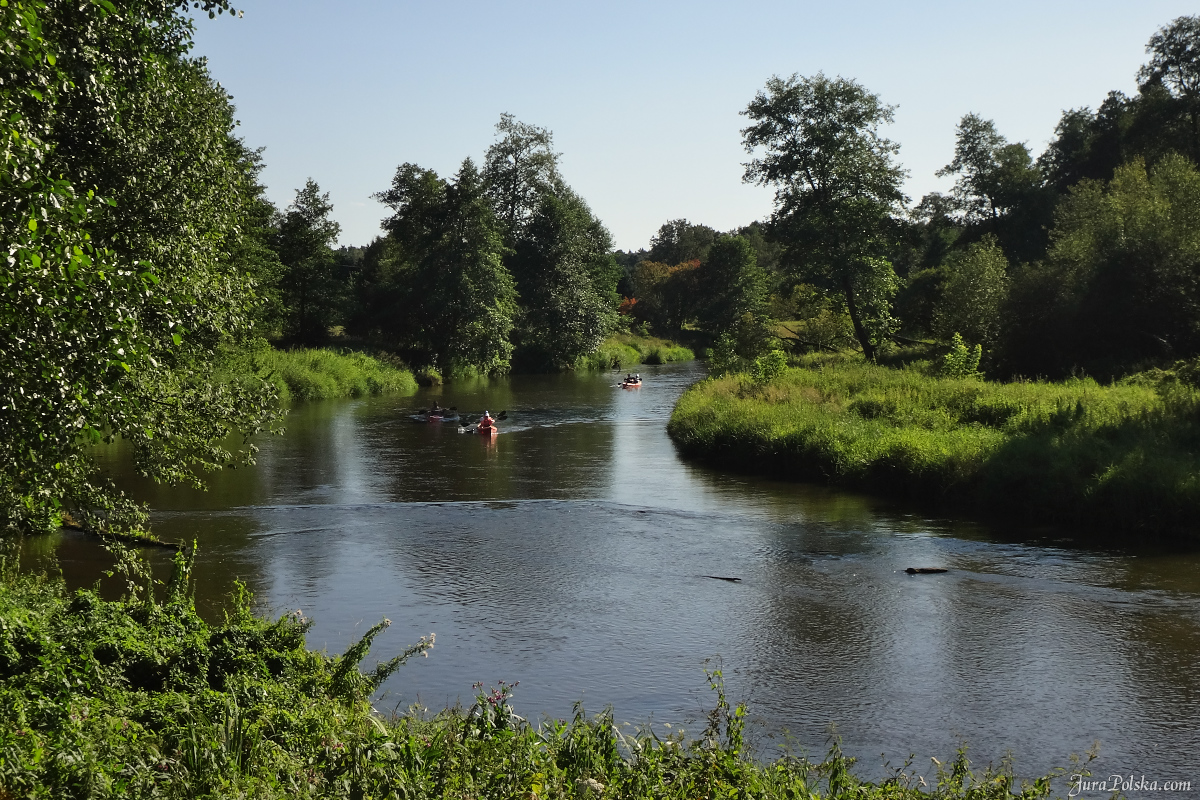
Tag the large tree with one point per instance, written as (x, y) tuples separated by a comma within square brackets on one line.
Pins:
[(454, 298), (121, 199), (837, 187), (566, 278)]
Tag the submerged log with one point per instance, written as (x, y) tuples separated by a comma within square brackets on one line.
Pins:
[(925, 570)]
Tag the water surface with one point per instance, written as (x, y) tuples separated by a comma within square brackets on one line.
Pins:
[(574, 553)]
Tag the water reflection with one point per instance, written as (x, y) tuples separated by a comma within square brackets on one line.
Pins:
[(572, 552)]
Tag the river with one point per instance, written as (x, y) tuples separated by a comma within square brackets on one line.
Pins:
[(573, 552)]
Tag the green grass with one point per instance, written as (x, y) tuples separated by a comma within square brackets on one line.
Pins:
[(321, 374), (628, 349), (141, 698), (1123, 457)]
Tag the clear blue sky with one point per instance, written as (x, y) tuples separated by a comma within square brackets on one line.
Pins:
[(642, 97)]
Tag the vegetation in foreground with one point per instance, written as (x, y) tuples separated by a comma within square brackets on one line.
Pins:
[(629, 349), (324, 374), (1122, 457), (141, 698)]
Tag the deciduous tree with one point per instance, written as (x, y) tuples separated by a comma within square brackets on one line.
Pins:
[(836, 188)]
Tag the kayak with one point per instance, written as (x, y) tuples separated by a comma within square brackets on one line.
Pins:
[(492, 431), (452, 417), (630, 384)]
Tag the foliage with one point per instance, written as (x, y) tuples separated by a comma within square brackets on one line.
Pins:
[(769, 366), (836, 189), (666, 294), (1119, 459), (962, 361), (141, 698), (310, 287), (973, 294), (520, 168), (1118, 285), (626, 349), (322, 374), (453, 299), (116, 297), (566, 280)]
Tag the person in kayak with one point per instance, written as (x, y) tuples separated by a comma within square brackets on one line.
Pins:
[(486, 422)]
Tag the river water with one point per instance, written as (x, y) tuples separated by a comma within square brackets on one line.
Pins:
[(573, 552)]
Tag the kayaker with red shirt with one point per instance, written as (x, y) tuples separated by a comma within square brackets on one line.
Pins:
[(486, 422)]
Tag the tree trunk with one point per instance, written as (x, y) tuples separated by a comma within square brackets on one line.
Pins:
[(859, 331)]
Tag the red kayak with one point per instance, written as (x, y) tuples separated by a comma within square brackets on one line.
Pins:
[(631, 384), (492, 431)]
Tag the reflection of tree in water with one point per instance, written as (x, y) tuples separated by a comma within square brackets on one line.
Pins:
[(225, 555)]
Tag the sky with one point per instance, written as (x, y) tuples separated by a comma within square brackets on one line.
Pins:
[(643, 98)]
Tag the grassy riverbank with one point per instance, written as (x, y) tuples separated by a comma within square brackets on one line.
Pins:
[(139, 698), (627, 350), (1124, 458), (322, 374)]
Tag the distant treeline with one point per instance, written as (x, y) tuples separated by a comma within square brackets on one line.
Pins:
[(1083, 258)]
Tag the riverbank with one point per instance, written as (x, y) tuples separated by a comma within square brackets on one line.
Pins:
[(323, 374), (1123, 458), (626, 350), (140, 697)]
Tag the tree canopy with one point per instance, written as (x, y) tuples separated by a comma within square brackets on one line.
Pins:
[(124, 190), (837, 187)]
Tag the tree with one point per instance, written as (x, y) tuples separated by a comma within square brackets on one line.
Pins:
[(518, 170), (734, 292), (678, 241), (995, 175), (116, 299), (566, 279), (1175, 65), (836, 189), (455, 300), (1120, 285), (667, 296), (311, 286), (974, 293)]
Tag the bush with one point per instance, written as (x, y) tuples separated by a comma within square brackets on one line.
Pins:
[(961, 361)]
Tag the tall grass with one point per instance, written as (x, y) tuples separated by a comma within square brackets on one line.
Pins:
[(141, 698), (1120, 457), (321, 374), (627, 350)]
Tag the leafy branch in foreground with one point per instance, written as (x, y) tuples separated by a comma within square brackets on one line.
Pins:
[(113, 306)]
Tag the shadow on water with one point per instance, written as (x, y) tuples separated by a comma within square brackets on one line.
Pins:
[(575, 552)]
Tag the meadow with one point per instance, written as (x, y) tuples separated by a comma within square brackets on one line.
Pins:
[(1119, 458)]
